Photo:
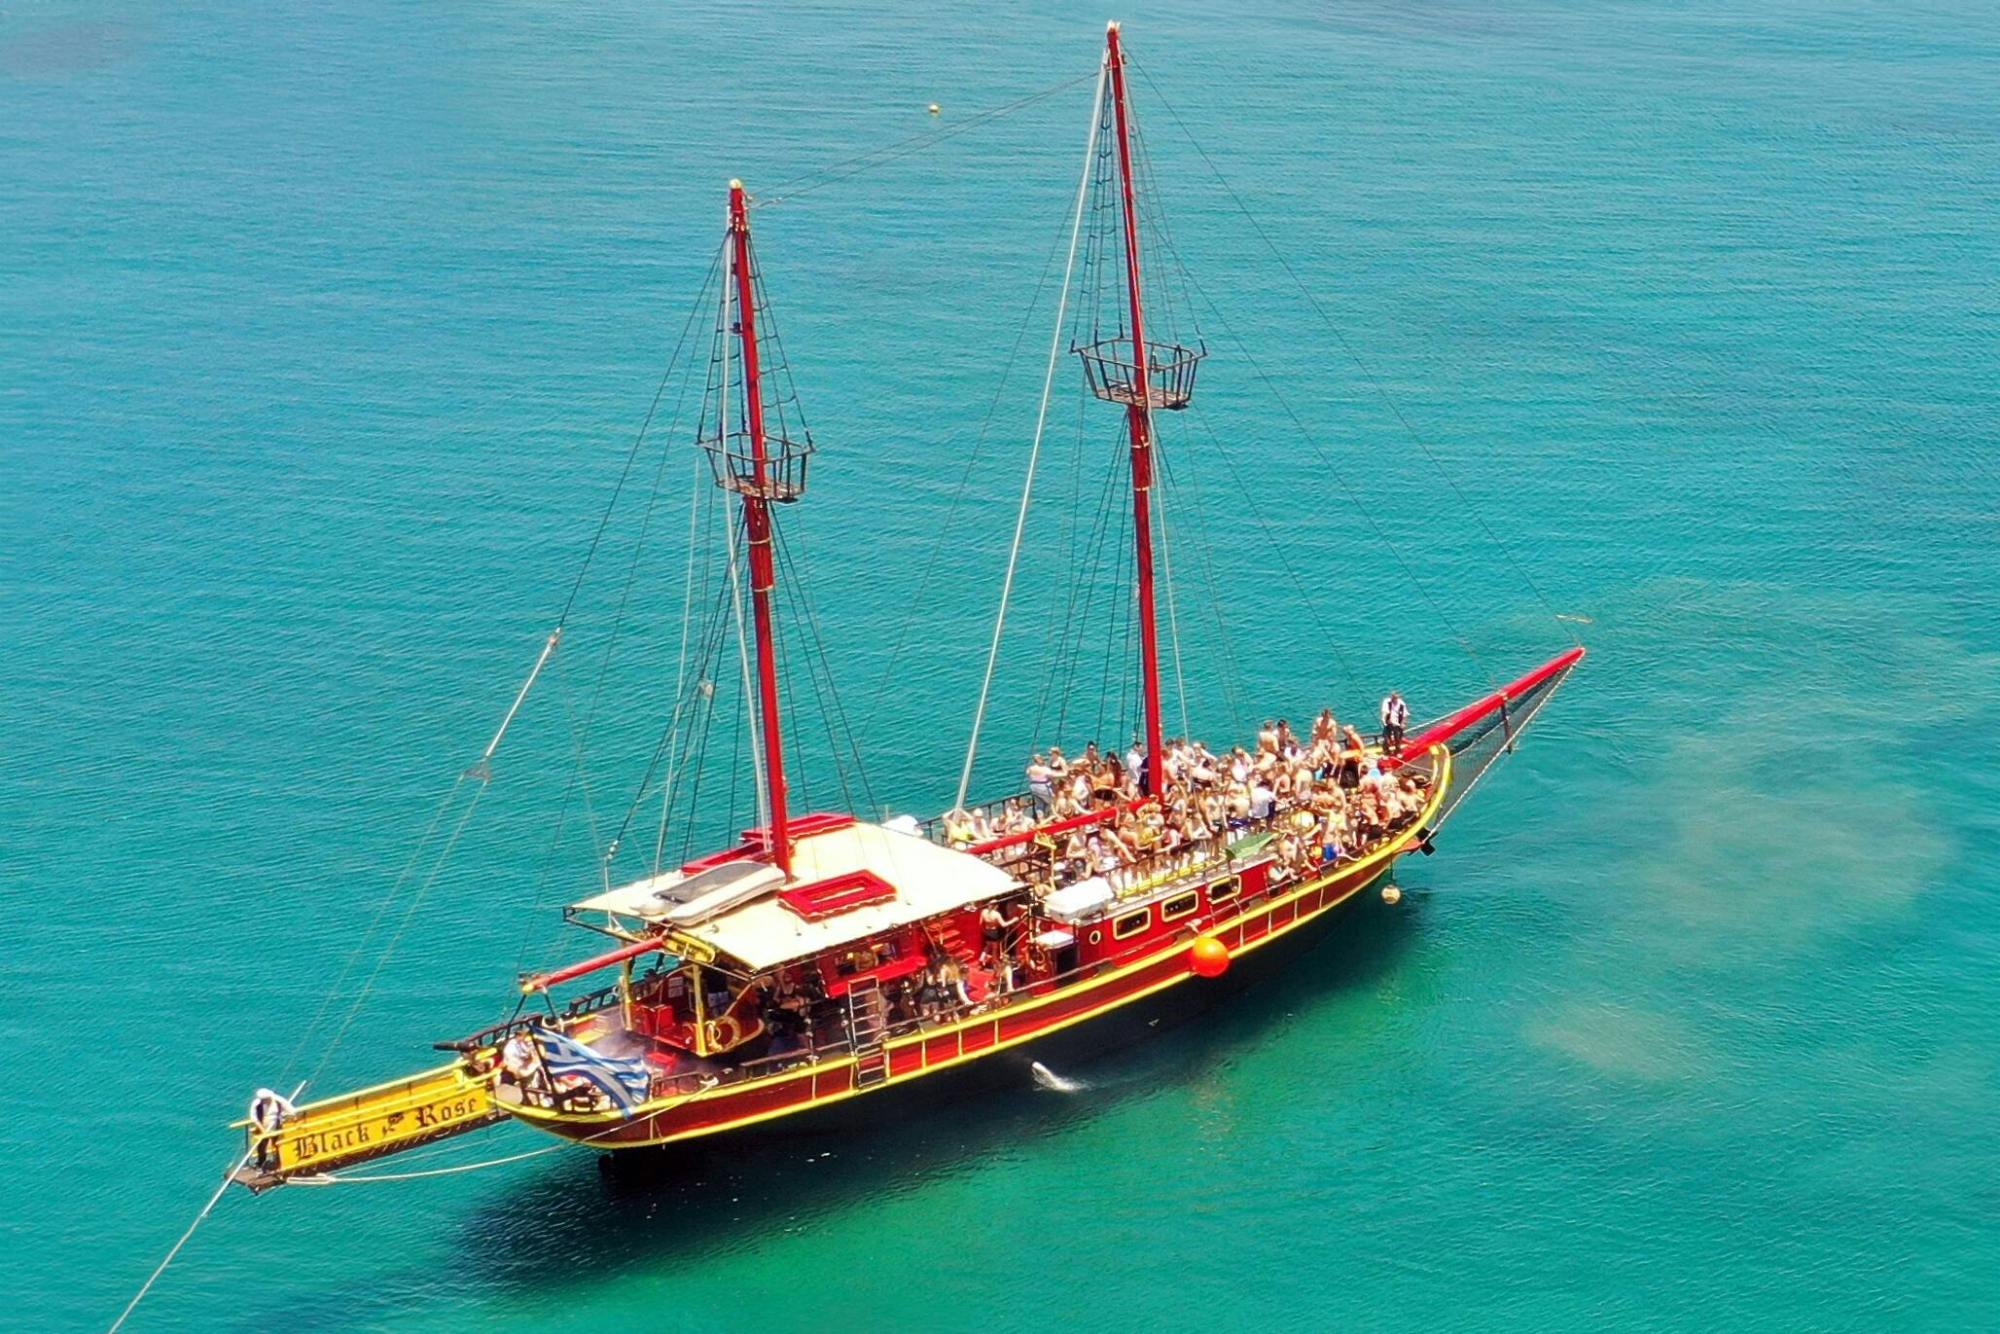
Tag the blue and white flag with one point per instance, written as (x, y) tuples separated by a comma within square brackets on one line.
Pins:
[(623, 1079)]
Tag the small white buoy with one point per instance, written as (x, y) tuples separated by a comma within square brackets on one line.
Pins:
[(936, 109), (1391, 894)]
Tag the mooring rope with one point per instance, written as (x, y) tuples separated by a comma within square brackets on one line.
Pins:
[(835, 172), (200, 1218)]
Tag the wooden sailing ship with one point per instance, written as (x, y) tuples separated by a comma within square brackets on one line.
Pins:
[(824, 958)]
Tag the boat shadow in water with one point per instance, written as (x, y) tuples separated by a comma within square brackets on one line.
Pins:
[(640, 1206)]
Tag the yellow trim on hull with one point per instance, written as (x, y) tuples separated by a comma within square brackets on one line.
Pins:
[(1378, 860)]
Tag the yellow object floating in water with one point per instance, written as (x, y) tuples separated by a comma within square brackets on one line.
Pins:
[(936, 109), (1391, 894)]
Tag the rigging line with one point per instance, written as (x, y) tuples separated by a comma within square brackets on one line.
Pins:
[(389, 951), (1063, 549), (693, 761), (1124, 620), (1107, 529), (1519, 726), (1076, 613), (1278, 549), (1034, 449), (835, 172), (795, 752), (1071, 523), (692, 754), (711, 647), (736, 762), (368, 936), (837, 709), (695, 493), (227, 1179), (735, 578), (639, 440), (833, 747), (578, 738), (1340, 480), (692, 757), (331, 1179), (1120, 613), (964, 482), (625, 593), (699, 745), (1173, 616), (1347, 347), (569, 787), (1231, 668), (832, 710), (743, 653), (1085, 577)]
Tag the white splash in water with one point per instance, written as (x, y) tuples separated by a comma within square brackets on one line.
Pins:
[(1049, 1079)]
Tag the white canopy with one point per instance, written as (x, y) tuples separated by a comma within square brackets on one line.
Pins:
[(762, 932), (1073, 903)]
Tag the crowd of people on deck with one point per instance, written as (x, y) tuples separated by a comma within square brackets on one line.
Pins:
[(1323, 796), (798, 1015)]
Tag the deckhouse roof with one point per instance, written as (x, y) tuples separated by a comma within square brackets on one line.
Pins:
[(761, 931)]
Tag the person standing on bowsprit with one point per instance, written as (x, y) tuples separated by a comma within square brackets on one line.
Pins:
[(1395, 717)]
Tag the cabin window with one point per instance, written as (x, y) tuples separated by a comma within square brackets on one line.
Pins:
[(1225, 889), (1180, 905), (1131, 924)]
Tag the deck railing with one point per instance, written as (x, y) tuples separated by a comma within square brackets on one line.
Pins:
[(604, 998), (1201, 862)]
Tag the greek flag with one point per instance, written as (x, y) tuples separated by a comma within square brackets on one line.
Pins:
[(623, 1079)]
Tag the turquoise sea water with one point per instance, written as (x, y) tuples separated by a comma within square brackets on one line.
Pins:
[(323, 334)]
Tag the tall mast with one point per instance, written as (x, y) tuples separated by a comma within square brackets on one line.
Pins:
[(1138, 417), (757, 489)]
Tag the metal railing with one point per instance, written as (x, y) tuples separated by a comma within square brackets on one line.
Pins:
[(1113, 374), (781, 476), (604, 998)]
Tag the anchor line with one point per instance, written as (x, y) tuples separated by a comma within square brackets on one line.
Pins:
[(200, 1218)]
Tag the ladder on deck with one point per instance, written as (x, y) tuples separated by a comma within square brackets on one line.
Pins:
[(867, 1026)]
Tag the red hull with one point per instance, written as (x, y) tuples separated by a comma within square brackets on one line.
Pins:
[(1260, 917)]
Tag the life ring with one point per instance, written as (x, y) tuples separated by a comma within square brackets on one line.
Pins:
[(716, 1029)]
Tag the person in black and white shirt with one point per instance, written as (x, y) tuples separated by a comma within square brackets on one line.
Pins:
[(1395, 717)]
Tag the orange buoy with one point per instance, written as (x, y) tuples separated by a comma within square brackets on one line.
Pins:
[(1209, 957)]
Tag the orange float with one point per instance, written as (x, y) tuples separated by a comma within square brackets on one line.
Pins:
[(1209, 957)]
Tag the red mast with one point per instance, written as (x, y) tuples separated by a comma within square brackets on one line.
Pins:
[(1138, 416), (756, 494)]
